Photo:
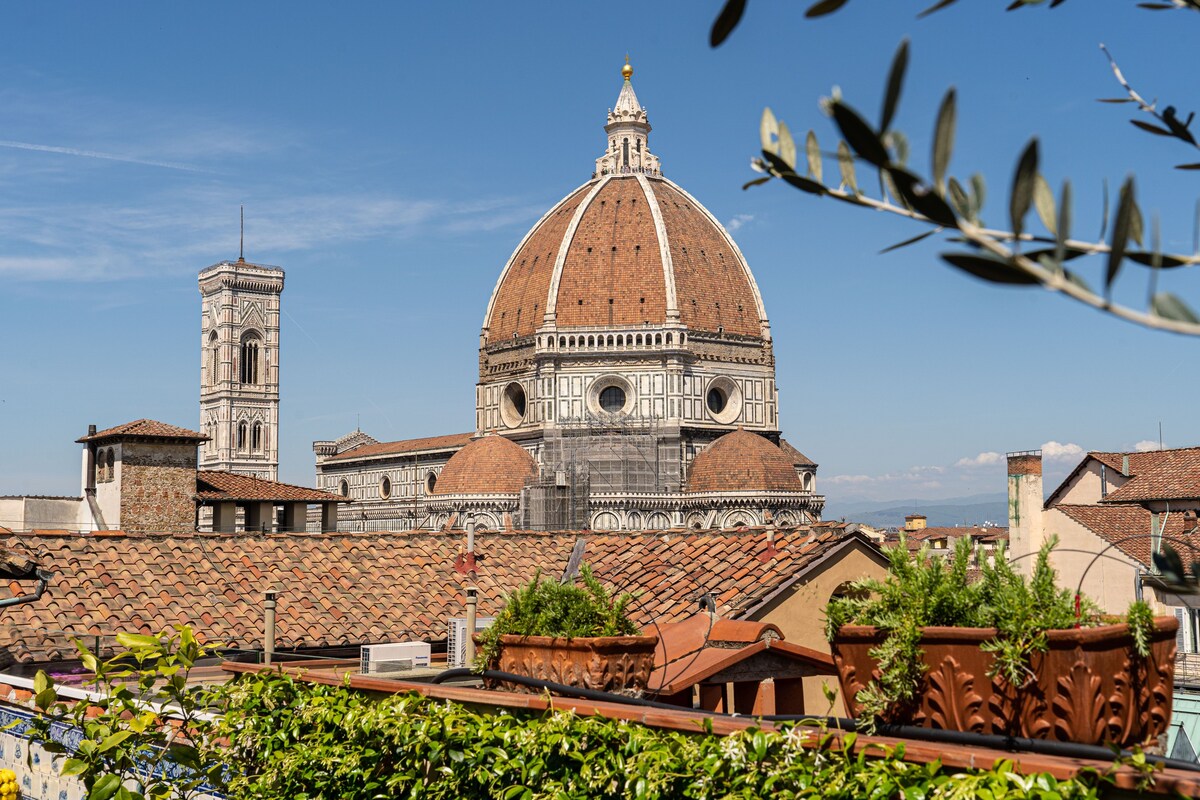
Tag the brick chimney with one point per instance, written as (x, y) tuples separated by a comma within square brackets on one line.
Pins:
[(1025, 501)]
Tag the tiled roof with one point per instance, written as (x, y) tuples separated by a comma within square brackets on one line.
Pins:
[(1115, 523), (1161, 475), (696, 648), (447, 442), (741, 461), (612, 270), (348, 589), (216, 485), (798, 458), (488, 465), (146, 429)]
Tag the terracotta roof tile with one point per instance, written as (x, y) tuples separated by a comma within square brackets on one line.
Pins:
[(390, 586), (146, 429), (490, 464), (447, 442), (798, 458), (1116, 523), (1160, 475), (743, 461), (217, 485)]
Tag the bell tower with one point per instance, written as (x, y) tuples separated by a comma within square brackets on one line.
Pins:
[(239, 367)]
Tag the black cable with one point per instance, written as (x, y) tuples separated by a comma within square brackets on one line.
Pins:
[(1048, 747), (560, 688)]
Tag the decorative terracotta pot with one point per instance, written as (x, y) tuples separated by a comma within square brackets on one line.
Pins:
[(1089, 687), (619, 664)]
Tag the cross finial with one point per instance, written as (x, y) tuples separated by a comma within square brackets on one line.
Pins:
[(627, 70)]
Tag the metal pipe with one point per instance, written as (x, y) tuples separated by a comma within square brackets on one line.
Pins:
[(43, 577), (472, 607), (268, 625)]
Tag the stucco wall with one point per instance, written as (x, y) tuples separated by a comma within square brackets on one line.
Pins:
[(800, 612), (1110, 580), (28, 513), (1087, 488)]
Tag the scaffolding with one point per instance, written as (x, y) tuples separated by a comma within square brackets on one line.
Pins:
[(601, 454)]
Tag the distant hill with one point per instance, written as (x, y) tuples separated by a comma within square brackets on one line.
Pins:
[(948, 512)]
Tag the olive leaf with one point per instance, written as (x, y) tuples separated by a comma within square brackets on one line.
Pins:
[(943, 140), (1022, 187)]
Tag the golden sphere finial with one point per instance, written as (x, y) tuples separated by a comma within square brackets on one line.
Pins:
[(627, 70)]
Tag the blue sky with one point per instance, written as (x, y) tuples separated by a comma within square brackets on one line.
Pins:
[(390, 156)]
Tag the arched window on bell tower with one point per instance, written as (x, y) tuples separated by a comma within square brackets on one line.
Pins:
[(250, 355), (256, 437), (241, 436), (214, 358)]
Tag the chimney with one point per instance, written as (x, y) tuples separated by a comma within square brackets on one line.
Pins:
[(89, 464), (1025, 501)]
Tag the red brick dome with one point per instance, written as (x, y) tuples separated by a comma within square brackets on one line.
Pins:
[(626, 250), (741, 461), (490, 464)]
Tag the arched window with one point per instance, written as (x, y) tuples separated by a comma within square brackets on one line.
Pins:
[(658, 339), (639, 340), (385, 487), (250, 358), (591, 341), (214, 357), (256, 437), (345, 489), (562, 341), (109, 474), (669, 338), (241, 436)]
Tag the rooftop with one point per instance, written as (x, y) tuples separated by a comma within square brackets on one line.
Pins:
[(349, 589)]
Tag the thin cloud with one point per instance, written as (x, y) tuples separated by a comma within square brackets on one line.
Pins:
[(1146, 446), (74, 151), (1056, 451), (738, 221), (986, 459)]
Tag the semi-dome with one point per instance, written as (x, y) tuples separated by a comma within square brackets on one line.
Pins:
[(490, 464), (629, 247), (741, 461)]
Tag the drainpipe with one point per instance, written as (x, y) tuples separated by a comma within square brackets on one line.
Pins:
[(43, 576), (268, 625), (90, 479), (472, 606)]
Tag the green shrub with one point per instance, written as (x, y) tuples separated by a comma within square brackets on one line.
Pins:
[(921, 591), (550, 608)]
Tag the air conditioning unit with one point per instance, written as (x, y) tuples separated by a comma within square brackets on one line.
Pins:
[(386, 659), (456, 641)]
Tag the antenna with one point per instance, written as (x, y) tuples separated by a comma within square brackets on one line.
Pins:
[(1160, 441), (242, 234)]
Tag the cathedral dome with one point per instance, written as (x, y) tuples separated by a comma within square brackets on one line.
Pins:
[(629, 247), (742, 461), (490, 464)]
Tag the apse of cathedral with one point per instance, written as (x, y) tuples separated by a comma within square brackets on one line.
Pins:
[(626, 378)]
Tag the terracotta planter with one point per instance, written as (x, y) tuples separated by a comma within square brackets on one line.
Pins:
[(1089, 687), (605, 663)]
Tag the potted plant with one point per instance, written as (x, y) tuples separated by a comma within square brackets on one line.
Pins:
[(999, 654), (574, 635)]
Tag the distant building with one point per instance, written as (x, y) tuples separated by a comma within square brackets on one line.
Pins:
[(626, 379), (239, 372), (1110, 515), (143, 478)]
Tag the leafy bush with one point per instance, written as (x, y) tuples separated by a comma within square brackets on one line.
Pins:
[(550, 608), (269, 736), (295, 740), (921, 591)]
